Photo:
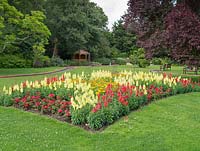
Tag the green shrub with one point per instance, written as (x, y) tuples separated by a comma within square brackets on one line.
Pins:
[(56, 61), (13, 61), (103, 61), (166, 60), (120, 61), (95, 63), (76, 63), (156, 61), (41, 61), (137, 57), (143, 63)]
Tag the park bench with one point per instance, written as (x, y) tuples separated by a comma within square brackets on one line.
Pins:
[(165, 67), (190, 69)]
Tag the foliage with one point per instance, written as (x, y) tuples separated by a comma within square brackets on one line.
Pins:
[(182, 27), (76, 63), (156, 61), (166, 25), (161, 61), (121, 38), (57, 61), (79, 117), (26, 7), (75, 25), (13, 61), (103, 61), (22, 33), (119, 61), (41, 61), (137, 57)]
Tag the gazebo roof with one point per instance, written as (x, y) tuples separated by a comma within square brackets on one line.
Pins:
[(81, 52)]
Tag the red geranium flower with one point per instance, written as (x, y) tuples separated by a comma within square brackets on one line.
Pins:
[(60, 110), (51, 95)]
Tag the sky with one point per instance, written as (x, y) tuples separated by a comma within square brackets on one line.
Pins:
[(114, 9)]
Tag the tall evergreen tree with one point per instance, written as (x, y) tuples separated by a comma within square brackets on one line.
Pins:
[(122, 39)]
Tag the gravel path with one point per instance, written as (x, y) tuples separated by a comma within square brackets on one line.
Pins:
[(36, 74)]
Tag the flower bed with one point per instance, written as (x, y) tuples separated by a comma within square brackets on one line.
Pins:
[(94, 100)]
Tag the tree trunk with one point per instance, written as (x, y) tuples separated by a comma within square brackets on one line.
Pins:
[(55, 50)]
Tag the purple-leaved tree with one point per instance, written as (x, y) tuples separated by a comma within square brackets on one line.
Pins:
[(166, 27)]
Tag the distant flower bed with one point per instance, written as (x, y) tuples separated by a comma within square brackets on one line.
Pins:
[(94, 100)]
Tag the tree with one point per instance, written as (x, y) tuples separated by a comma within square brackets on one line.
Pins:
[(26, 6), (183, 33), (22, 34), (157, 23), (77, 24), (121, 38)]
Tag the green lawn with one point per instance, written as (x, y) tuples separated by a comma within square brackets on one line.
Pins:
[(26, 70), (171, 124)]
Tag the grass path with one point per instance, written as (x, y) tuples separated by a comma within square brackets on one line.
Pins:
[(171, 124)]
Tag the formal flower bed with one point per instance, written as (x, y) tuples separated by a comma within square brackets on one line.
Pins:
[(94, 100)]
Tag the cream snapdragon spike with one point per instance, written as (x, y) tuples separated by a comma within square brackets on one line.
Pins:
[(82, 91)]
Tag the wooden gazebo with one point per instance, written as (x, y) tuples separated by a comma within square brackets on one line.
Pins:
[(81, 55)]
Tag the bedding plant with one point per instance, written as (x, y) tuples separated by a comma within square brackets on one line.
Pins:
[(94, 100)]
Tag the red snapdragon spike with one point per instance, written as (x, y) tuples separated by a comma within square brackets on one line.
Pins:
[(48, 81), (24, 84), (170, 75), (94, 110), (125, 103), (98, 107), (62, 78), (131, 92), (105, 104), (164, 75), (99, 96), (118, 93), (103, 97)]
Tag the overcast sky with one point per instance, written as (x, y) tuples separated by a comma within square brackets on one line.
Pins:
[(114, 9)]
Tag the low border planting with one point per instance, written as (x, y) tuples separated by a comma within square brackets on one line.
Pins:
[(94, 100)]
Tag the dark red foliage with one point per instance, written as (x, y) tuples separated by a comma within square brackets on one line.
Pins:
[(168, 26), (183, 33)]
